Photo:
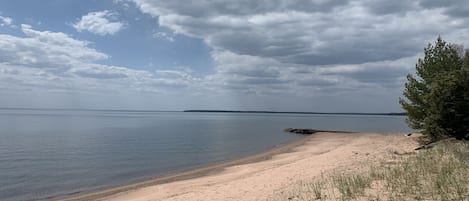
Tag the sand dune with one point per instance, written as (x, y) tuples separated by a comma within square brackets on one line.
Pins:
[(257, 179)]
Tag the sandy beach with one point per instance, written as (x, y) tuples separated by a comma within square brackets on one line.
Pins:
[(260, 176)]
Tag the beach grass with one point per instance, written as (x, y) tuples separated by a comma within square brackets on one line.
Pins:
[(440, 173)]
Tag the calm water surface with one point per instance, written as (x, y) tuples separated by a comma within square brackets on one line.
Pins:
[(56, 152)]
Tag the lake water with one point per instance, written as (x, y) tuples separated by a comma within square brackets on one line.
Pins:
[(57, 152)]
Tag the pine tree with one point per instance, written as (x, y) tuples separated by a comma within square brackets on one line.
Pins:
[(438, 98)]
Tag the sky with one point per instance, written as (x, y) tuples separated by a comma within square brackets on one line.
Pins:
[(279, 55)]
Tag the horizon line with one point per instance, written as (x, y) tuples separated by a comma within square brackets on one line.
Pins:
[(292, 112), (206, 111)]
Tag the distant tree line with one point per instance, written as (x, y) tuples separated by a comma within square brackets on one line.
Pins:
[(437, 96)]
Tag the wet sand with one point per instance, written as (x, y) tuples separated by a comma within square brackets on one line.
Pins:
[(259, 176)]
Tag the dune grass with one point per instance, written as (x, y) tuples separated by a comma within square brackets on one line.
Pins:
[(440, 173)]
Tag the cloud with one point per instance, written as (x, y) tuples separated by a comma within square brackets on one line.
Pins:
[(101, 23), (386, 74), (5, 21), (304, 53), (101, 72), (59, 63), (45, 49), (245, 65), (241, 7), (54, 61), (306, 32), (456, 8), (256, 74), (124, 3), (335, 45), (185, 74), (391, 7), (164, 35)]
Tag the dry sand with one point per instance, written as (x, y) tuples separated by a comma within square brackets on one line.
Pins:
[(260, 176)]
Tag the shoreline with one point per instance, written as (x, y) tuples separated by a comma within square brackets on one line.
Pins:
[(190, 173), (259, 176)]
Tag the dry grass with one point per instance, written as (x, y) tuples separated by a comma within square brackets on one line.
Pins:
[(441, 173)]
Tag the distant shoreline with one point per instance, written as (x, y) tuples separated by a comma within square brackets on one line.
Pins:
[(324, 113), (210, 111)]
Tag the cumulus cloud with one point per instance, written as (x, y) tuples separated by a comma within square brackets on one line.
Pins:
[(54, 61), (306, 32), (45, 49), (306, 51), (101, 23), (334, 44), (5, 21)]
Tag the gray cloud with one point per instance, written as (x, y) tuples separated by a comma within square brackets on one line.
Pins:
[(314, 51), (324, 46), (388, 74), (455, 8), (262, 73), (391, 7), (101, 72), (321, 82), (241, 7), (100, 75), (306, 32), (256, 81)]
